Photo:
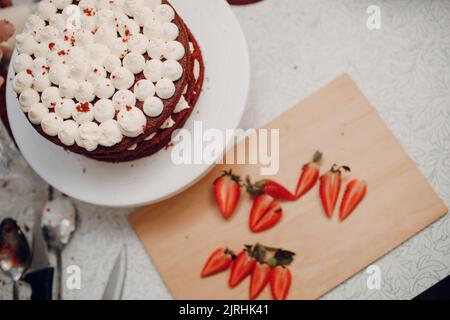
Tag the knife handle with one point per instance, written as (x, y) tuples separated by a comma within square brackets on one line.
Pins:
[(41, 282)]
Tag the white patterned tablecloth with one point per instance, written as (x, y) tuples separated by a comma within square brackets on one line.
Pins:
[(296, 47)]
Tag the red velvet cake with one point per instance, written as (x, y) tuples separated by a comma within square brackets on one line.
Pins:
[(108, 79)]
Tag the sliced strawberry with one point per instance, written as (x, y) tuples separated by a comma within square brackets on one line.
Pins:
[(270, 187), (265, 213), (354, 193), (309, 176), (330, 186), (260, 278), (241, 267), (280, 282), (227, 192), (220, 260)]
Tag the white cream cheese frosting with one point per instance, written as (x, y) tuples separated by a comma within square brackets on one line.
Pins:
[(68, 132), (27, 98), (51, 123), (132, 121), (144, 89), (80, 84)]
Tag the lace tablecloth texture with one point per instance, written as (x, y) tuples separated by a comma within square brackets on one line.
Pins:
[(296, 47)]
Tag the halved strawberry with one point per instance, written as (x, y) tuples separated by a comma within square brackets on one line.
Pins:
[(330, 186), (227, 192), (309, 176), (260, 278), (280, 282), (220, 260), (270, 187), (265, 213), (241, 267), (354, 193)]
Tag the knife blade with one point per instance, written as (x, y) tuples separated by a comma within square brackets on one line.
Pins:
[(116, 281), (40, 258), (40, 274)]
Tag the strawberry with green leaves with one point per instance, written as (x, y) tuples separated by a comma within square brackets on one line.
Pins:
[(219, 261), (227, 192), (241, 267), (330, 186), (280, 275), (269, 187), (261, 273), (309, 176)]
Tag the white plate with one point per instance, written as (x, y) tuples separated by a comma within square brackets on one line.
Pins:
[(154, 178)]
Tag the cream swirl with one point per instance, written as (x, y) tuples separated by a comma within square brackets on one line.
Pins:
[(164, 13), (78, 70), (67, 88), (65, 108), (95, 72), (50, 97), (134, 62), (97, 52), (153, 70), (132, 121), (174, 50), (33, 24), (68, 132), (128, 28), (122, 78), (104, 110), (88, 136), (123, 98), (171, 69), (143, 15), (110, 133), (59, 21), (37, 112), (165, 89), (152, 30), (144, 89), (46, 10), (58, 72), (27, 98), (137, 43), (168, 32), (23, 80), (103, 88), (41, 81), (83, 112), (51, 123), (153, 106), (41, 50), (22, 62), (47, 34), (155, 49), (85, 92), (111, 63), (25, 43)]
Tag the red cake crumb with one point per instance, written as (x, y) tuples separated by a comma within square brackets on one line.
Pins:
[(83, 107), (51, 45), (29, 71)]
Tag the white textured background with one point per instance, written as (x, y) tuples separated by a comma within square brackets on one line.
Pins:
[(296, 47)]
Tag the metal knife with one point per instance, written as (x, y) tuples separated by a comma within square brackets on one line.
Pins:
[(116, 281), (40, 273)]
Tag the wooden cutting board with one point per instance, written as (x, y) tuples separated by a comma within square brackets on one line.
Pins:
[(180, 233)]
